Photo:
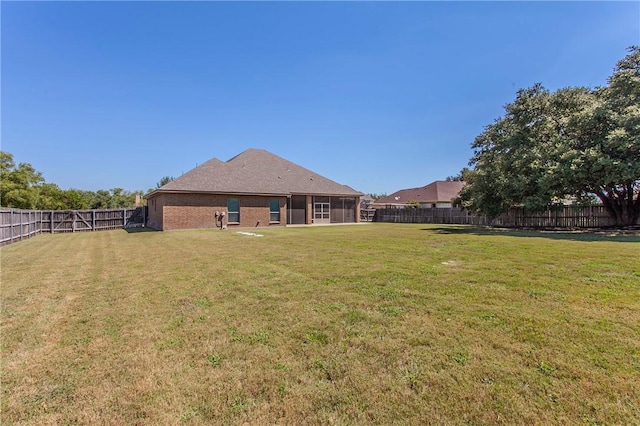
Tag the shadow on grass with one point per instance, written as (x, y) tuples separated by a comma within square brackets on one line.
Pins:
[(613, 235), (139, 229)]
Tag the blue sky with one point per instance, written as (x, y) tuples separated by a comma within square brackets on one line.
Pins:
[(380, 96)]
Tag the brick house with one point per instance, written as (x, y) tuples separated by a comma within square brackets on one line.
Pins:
[(254, 188), (438, 194)]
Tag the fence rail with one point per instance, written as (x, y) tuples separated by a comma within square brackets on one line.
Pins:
[(564, 217), (516, 217), (17, 225), (453, 215)]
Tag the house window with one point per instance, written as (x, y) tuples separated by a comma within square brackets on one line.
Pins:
[(233, 210), (274, 211)]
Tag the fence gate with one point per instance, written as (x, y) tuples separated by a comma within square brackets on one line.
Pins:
[(71, 221)]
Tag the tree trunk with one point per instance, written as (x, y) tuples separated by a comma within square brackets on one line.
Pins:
[(625, 211)]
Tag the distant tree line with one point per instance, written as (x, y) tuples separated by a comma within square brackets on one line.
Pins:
[(23, 187), (376, 196)]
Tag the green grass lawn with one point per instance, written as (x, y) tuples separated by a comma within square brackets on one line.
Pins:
[(365, 324)]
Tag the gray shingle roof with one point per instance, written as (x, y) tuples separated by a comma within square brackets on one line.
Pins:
[(435, 192), (255, 171)]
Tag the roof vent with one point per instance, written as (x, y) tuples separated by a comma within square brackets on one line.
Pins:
[(279, 177)]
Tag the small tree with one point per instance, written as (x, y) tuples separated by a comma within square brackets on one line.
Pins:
[(413, 204), (76, 199), (165, 180), (50, 197)]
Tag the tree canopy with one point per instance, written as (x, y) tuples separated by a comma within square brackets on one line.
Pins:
[(575, 143), (377, 196), (460, 177), (18, 183), (22, 187)]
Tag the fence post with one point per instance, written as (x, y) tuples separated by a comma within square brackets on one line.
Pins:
[(73, 221), (124, 218), (93, 220), (11, 225)]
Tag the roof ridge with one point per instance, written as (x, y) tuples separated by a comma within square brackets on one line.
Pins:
[(238, 155)]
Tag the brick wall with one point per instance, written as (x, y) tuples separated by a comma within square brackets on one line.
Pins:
[(196, 211), (168, 211), (154, 212)]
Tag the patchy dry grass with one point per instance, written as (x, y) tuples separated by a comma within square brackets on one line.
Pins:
[(371, 324)]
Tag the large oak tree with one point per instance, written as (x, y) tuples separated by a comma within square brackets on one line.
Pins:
[(572, 143)]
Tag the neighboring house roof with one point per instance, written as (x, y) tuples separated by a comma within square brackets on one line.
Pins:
[(255, 171), (436, 192)]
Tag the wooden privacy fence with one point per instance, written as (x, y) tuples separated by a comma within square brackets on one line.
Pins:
[(16, 225), (561, 217), (516, 217), (452, 215)]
